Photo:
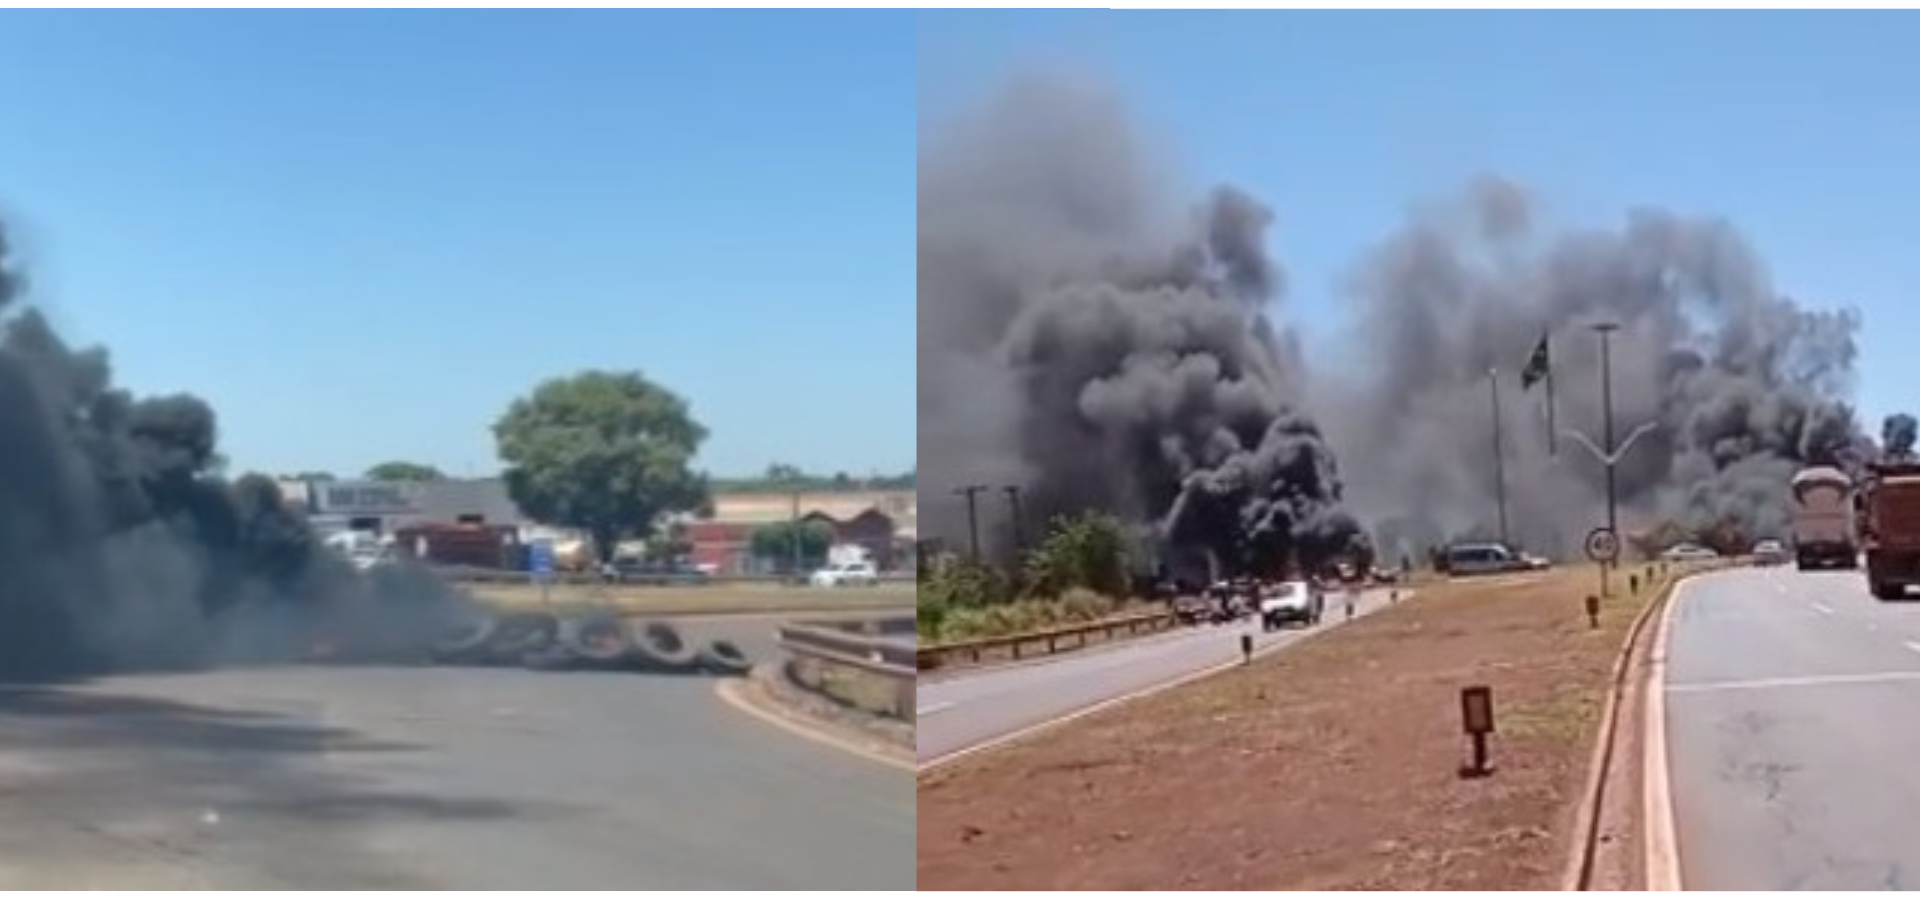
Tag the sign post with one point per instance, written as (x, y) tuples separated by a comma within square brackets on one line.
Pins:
[(540, 565), (1603, 548)]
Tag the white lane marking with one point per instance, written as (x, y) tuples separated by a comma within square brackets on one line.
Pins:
[(932, 709), (1822, 608), (1793, 682), (1912, 646), (1660, 860)]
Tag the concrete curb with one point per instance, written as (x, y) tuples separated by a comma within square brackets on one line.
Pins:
[(766, 694), (1580, 867)]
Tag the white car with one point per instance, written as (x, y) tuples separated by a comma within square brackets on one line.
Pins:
[(1296, 601), (861, 573)]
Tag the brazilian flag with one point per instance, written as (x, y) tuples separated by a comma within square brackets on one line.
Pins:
[(1538, 365)]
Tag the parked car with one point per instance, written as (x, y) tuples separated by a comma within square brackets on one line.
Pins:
[(1293, 601), (1689, 551), (857, 573)]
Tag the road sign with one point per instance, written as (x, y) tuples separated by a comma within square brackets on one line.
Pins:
[(1602, 545), (540, 560)]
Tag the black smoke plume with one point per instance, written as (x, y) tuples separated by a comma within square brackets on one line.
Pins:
[(1737, 384), (1897, 435), (120, 546), (1078, 339)]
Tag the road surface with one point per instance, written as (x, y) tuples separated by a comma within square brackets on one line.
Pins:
[(308, 777), (1793, 733), (976, 708)]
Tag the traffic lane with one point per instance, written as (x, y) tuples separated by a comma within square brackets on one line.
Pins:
[(432, 778), (964, 711), (1790, 735)]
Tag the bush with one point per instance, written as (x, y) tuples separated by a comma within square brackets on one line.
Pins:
[(1085, 552)]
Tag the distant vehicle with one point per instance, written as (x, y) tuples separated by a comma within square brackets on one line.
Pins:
[(1823, 519), (1293, 601), (1480, 558), (1535, 562), (1769, 552), (1890, 506), (859, 573), (1689, 551)]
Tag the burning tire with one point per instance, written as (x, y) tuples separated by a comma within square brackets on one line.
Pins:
[(517, 635), (657, 646), (724, 658), (599, 639), (466, 640)]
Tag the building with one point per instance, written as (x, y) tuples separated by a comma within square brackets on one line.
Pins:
[(723, 541), (381, 507)]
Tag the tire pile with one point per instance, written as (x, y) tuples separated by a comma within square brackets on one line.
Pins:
[(544, 641)]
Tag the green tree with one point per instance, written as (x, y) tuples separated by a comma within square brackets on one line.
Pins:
[(608, 452), (404, 472), (774, 542), (1087, 552)]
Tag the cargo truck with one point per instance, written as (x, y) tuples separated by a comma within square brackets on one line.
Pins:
[(1824, 520), (1889, 513)]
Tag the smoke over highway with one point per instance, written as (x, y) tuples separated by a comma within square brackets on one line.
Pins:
[(121, 548), (1083, 335), (1082, 338), (1741, 385)]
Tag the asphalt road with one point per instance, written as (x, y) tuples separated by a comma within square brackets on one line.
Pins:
[(976, 708), (311, 778), (1793, 733)]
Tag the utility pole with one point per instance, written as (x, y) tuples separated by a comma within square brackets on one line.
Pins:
[(1606, 329), (1019, 519), (1499, 453), (973, 521)]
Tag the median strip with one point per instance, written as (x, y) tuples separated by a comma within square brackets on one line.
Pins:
[(1332, 764)]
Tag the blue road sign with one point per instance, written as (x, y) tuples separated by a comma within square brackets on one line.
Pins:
[(540, 560)]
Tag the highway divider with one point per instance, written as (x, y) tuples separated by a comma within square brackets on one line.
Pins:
[(1042, 642), (870, 653)]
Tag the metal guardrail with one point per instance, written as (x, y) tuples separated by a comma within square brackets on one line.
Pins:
[(863, 647), (507, 577), (1045, 641)]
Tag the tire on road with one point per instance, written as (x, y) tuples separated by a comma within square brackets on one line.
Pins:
[(659, 647), (466, 640), (724, 658), (598, 638), (519, 634)]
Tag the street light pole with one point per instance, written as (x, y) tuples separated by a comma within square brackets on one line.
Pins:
[(1499, 454), (1606, 329)]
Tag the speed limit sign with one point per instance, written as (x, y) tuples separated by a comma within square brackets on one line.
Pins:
[(1602, 545)]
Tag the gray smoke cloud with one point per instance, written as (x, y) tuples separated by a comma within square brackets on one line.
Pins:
[(1897, 435), (1080, 339), (120, 547), (1739, 385), (1081, 336)]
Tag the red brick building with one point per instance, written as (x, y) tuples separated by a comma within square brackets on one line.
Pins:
[(723, 543)]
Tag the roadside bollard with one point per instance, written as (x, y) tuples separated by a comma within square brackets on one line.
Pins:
[(1246, 647), (1349, 608), (1633, 583), (1593, 611), (1476, 718), (1393, 596)]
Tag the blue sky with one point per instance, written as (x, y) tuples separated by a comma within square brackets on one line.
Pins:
[(361, 234), (1800, 129)]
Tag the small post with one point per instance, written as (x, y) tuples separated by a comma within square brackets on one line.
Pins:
[(1246, 647), (1593, 610), (1476, 717), (1633, 583), (1393, 596)]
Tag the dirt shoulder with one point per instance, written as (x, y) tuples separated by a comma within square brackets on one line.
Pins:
[(1331, 765)]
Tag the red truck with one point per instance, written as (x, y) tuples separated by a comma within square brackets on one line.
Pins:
[(1889, 506)]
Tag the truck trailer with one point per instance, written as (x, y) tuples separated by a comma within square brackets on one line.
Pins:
[(1824, 520), (1889, 511)]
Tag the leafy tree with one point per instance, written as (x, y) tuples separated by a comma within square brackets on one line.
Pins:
[(1086, 552), (404, 472), (774, 542), (313, 476), (608, 452), (782, 477)]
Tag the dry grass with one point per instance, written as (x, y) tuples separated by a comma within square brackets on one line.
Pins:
[(1334, 764), (693, 600)]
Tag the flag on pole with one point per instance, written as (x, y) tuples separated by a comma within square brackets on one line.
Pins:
[(1539, 365)]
